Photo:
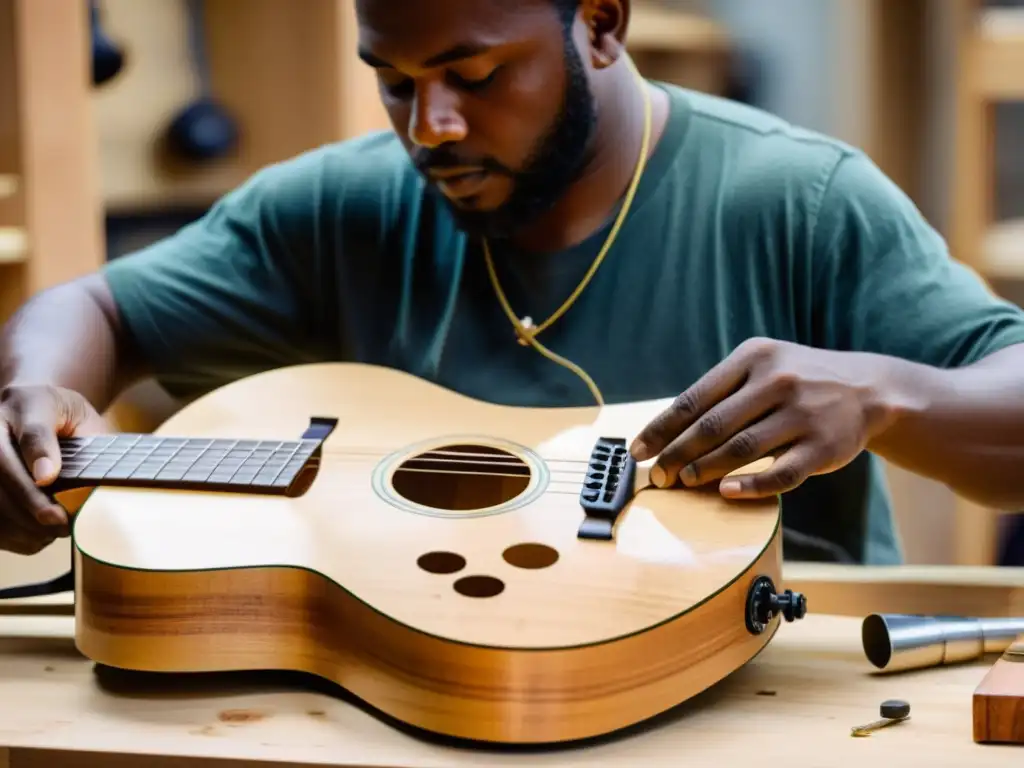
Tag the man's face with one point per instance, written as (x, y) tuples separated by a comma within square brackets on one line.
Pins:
[(490, 97)]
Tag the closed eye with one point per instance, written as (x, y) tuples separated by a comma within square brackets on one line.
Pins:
[(400, 89), (474, 85), (404, 87)]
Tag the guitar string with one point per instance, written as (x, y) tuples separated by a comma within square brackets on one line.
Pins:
[(572, 473), (574, 482), (457, 458), (369, 452), (461, 459), (568, 477), (376, 452), (575, 474)]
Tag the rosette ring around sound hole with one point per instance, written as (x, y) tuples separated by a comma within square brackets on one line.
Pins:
[(461, 476)]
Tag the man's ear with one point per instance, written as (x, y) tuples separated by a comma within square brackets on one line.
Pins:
[(607, 22)]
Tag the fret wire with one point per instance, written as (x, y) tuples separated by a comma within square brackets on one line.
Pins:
[(167, 460)]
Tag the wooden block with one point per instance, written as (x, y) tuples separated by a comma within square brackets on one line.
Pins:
[(999, 700)]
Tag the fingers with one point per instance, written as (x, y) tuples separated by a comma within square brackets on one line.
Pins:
[(721, 430), (30, 419), (713, 387), (22, 494), (746, 446), (18, 542), (21, 534), (788, 471)]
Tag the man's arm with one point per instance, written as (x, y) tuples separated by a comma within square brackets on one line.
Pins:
[(954, 372), (224, 296), (905, 353), (63, 351), (963, 427), (71, 336)]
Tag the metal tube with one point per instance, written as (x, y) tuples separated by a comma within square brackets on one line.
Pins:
[(895, 642)]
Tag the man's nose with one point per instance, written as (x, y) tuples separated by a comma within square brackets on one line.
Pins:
[(435, 119)]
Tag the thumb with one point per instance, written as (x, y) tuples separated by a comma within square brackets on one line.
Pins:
[(35, 429), (41, 451)]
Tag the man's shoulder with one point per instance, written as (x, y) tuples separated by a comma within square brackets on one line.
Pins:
[(762, 164), (752, 132), (347, 191)]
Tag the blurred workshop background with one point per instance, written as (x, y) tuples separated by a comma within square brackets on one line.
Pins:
[(101, 152)]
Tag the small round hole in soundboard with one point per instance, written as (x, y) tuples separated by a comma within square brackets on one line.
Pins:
[(530, 556), (441, 562), (479, 586)]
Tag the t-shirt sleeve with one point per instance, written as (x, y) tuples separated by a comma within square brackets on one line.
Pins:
[(885, 282), (230, 294)]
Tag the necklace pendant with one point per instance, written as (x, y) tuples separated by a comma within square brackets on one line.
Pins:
[(528, 326)]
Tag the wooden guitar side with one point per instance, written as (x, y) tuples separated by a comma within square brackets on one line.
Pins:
[(496, 624)]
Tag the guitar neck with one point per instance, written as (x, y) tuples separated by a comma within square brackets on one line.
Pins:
[(189, 463)]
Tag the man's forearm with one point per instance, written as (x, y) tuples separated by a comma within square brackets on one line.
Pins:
[(69, 336), (962, 427)]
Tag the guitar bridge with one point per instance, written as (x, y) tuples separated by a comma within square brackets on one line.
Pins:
[(611, 473)]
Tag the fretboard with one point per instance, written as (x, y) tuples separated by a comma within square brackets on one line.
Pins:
[(178, 462)]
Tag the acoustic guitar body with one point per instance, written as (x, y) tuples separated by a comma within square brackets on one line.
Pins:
[(432, 554)]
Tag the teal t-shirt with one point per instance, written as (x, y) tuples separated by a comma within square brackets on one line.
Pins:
[(743, 225)]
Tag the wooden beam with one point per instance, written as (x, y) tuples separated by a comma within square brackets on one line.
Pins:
[(59, 167), (855, 590), (897, 38)]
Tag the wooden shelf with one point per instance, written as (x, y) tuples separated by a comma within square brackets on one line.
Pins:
[(996, 23), (993, 65), (998, 49), (290, 75), (51, 224), (287, 72)]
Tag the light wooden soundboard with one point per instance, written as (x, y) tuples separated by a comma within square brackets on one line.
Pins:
[(793, 705)]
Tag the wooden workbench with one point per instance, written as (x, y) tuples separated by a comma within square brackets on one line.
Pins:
[(793, 705)]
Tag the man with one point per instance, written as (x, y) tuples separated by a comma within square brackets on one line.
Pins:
[(773, 279)]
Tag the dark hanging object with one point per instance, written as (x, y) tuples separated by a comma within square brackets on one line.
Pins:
[(107, 56), (203, 130)]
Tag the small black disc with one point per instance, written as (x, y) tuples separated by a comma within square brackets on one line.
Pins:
[(893, 708)]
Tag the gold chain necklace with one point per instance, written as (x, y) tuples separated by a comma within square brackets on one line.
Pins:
[(525, 330)]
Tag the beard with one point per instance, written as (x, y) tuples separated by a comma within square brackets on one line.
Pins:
[(557, 160)]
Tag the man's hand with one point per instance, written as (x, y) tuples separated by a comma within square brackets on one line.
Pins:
[(813, 410), (31, 419)]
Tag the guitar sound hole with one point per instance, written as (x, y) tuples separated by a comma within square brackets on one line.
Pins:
[(461, 477)]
